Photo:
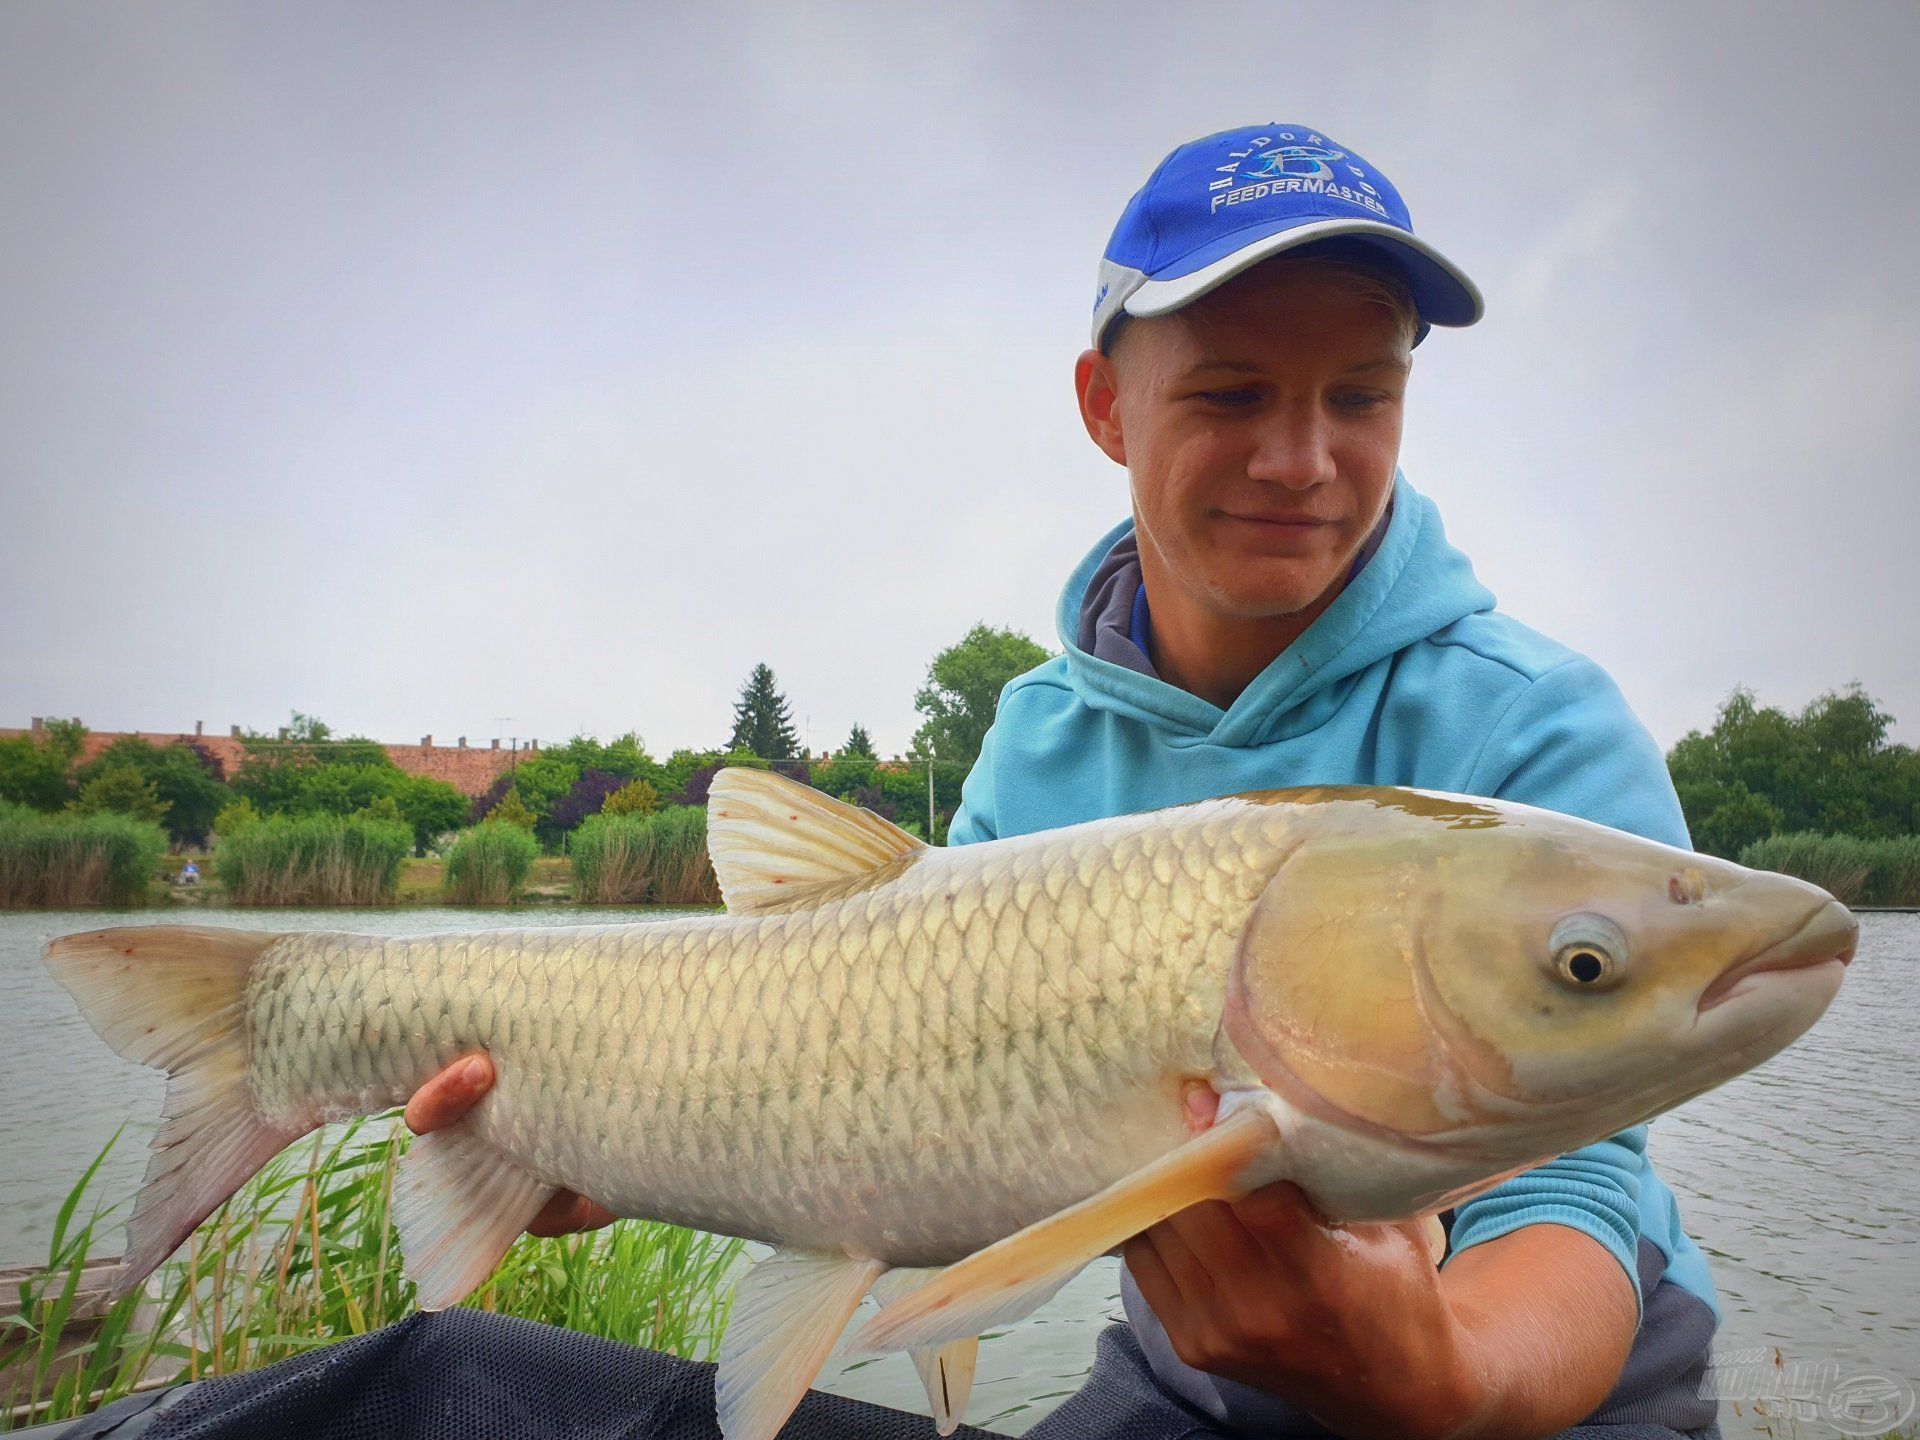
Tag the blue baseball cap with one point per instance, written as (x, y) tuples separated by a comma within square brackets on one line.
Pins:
[(1216, 206)]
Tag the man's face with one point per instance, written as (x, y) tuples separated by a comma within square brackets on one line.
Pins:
[(1261, 427)]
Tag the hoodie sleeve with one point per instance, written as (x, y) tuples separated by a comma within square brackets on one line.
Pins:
[(974, 820), (1569, 742)]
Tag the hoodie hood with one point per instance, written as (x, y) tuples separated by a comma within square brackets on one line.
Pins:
[(1415, 584)]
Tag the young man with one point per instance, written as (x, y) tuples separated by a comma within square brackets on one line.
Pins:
[(1284, 609)]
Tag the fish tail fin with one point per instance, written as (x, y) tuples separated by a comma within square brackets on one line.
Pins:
[(172, 997)]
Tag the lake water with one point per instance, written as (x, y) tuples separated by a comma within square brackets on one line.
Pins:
[(1799, 1180)]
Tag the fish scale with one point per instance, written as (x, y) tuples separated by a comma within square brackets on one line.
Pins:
[(708, 1066)]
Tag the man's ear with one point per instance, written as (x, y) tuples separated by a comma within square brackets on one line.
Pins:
[(1096, 386)]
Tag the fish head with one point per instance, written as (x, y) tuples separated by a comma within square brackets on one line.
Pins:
[(1491, 975)]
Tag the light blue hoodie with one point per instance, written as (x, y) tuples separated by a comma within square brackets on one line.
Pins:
[(1410, 677)]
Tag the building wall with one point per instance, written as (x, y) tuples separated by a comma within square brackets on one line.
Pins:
[(468, 769)]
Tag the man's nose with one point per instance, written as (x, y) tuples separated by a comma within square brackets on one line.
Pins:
[(1293, 447)]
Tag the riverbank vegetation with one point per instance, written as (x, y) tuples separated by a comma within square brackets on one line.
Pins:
[(1822, 792), (489, 863), (75, 860), (305, 1255), (1852, 870), (312, 860), (658, 859)]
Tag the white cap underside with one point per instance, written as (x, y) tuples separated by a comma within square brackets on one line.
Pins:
[(1157, 297)]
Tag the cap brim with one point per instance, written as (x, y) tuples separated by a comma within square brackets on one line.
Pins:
[(1442, 293)]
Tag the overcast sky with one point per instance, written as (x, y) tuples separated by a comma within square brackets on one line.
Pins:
[(422, 365)]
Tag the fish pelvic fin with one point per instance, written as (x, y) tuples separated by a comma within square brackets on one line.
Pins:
[(787, 1313), (173, 997), (1013, 1277), (458, 1204), (945, 1370), (780, 845)]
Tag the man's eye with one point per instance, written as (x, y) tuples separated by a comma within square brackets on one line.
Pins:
[(1229, 399), (1358, 401)]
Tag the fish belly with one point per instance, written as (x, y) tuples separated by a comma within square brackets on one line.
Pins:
[(908, 1071)]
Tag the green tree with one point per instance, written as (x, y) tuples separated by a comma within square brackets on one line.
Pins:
[(121, 790), (66, 739), (963, 690), (33, 773), (1761, 771), (183, 776), (762, 721), (859, 743), (431, 807), (625, 756), (236, 816)]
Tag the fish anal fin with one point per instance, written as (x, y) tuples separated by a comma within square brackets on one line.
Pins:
[(1013, 1277), (777, 844), (787, 1313), (458, 1203)]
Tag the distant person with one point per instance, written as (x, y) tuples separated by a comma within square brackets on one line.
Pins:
[(190, 874)]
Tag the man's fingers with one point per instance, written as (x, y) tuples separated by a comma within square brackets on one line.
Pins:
[(568, 1214), (449, 1095), (1157, 1286)]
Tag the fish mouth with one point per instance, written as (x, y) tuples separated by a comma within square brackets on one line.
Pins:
[(1825, 937)]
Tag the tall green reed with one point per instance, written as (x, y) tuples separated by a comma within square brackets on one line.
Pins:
[(635, 859), (74, 861), (306, 1254), (1852, 870), (312, 860), (489, 863)]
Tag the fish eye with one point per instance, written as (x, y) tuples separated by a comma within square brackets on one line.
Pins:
[(1589, 952)]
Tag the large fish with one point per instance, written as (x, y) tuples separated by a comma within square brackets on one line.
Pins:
[(889, 1058)]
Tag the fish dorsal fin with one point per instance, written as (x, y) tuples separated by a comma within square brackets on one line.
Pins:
[(776, 843)]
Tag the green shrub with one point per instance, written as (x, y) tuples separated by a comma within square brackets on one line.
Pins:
[(489, 863), (121, 791), (236, 816), (636, 859), (312, 860), (636, 798), (1852, 870), (71, 861)]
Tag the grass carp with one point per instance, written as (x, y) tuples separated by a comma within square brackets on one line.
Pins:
[(955, 1076)]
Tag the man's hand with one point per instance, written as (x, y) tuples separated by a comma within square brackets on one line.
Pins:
[(455, 1090), (1518, 1337), (1349, 1323)]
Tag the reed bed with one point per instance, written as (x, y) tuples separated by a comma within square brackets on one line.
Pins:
[(1852, 870), (304, 1255), (489, 863), (75, 861), (639, 859), (312, 860)]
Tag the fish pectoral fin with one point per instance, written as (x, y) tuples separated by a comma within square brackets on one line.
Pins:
[(458, 1203), (946, 1370), (773, 840), (787, 1313), (1013, 1277)]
